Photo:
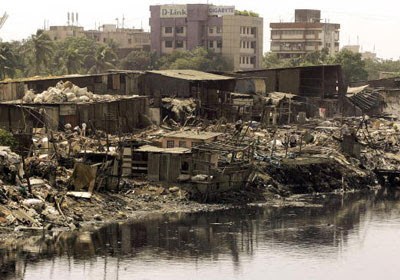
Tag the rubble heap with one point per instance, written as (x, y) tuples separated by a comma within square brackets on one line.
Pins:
[(64, 92)]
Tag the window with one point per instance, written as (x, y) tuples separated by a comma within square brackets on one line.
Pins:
[(253, 60), (248, 44), (253, 31), (247, 60), (219, 29), (129, 41), (253, 45), (104, 40), (179, 44), (168, 30), (170, 143), (168, 44), (211, 44), (182, 144), (179, 30), (219, 44), (211, 30)]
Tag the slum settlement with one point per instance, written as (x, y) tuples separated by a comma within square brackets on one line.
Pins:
[(79, 148)]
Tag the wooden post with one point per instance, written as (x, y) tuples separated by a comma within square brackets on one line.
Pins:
[(301, 142)]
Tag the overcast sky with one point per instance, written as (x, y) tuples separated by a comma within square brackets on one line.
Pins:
[(375, 23)]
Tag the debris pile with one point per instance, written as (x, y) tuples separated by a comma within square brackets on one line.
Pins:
[(64, 92), (10, 166)]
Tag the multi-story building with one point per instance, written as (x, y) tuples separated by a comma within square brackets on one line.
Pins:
[(356, 49), (127, 39), (307, 34), (239, 38)]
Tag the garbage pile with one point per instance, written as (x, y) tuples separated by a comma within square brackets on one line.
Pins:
[(64, 92), (179, 109), (10, 166)]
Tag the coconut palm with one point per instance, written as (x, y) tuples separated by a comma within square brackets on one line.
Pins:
[(104, 59), (42, 48), (8, 61)]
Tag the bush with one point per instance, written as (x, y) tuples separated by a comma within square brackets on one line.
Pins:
[(7, 139)]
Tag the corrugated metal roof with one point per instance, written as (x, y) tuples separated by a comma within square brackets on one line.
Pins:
[(71, 76), (193, 135), (191, 75), (153, 149), (288, 68)]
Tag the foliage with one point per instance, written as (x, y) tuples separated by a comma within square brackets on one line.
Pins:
[(199, 59), (246, 13), (73, 55), (8, 61), (6, 138), (104, 59), (374, 66), (40, 51), (271, 60), (138, 60), (353, 66)]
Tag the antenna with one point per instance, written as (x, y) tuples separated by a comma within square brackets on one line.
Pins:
[(77, 18), (68, 19), (117, 22), (123, 21), (73, 18)]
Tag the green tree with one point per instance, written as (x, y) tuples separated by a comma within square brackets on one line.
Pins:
[(199, 59), (138, 60), (8, 61), (74, 55), (374, 66), (42, 48), (104, 59), (352, 64), (271, 60)]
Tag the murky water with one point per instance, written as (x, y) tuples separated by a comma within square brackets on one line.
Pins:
[(351, 237)]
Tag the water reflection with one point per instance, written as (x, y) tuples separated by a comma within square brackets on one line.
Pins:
[(226, 242)]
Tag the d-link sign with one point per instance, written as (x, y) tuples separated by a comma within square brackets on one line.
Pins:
[(173, 11)]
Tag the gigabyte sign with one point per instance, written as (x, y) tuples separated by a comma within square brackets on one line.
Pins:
[(173, 11), (221, 10)]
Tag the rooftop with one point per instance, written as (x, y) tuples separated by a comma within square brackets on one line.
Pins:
[(153, 149), (190, 75), (193, 135)]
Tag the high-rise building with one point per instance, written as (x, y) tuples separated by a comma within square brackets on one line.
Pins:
[(236, 36), (308, 33)]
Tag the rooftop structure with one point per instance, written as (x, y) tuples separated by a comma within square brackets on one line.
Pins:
[(239, 38), (307, 34)]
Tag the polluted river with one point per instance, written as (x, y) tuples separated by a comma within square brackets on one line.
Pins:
[(350, 236)]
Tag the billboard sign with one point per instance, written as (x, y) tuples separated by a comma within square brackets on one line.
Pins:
[(221, 10), (173, 11)]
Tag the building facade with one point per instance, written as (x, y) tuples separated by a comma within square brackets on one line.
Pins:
[(307, 34), (358, 49), (238, 38), (127, 39)]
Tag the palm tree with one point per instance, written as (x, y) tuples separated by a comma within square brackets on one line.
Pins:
[(8, 61), (73, 60), (104, 59), (42, 48)]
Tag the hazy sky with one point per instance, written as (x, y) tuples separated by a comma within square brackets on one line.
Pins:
[(376, 23)]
